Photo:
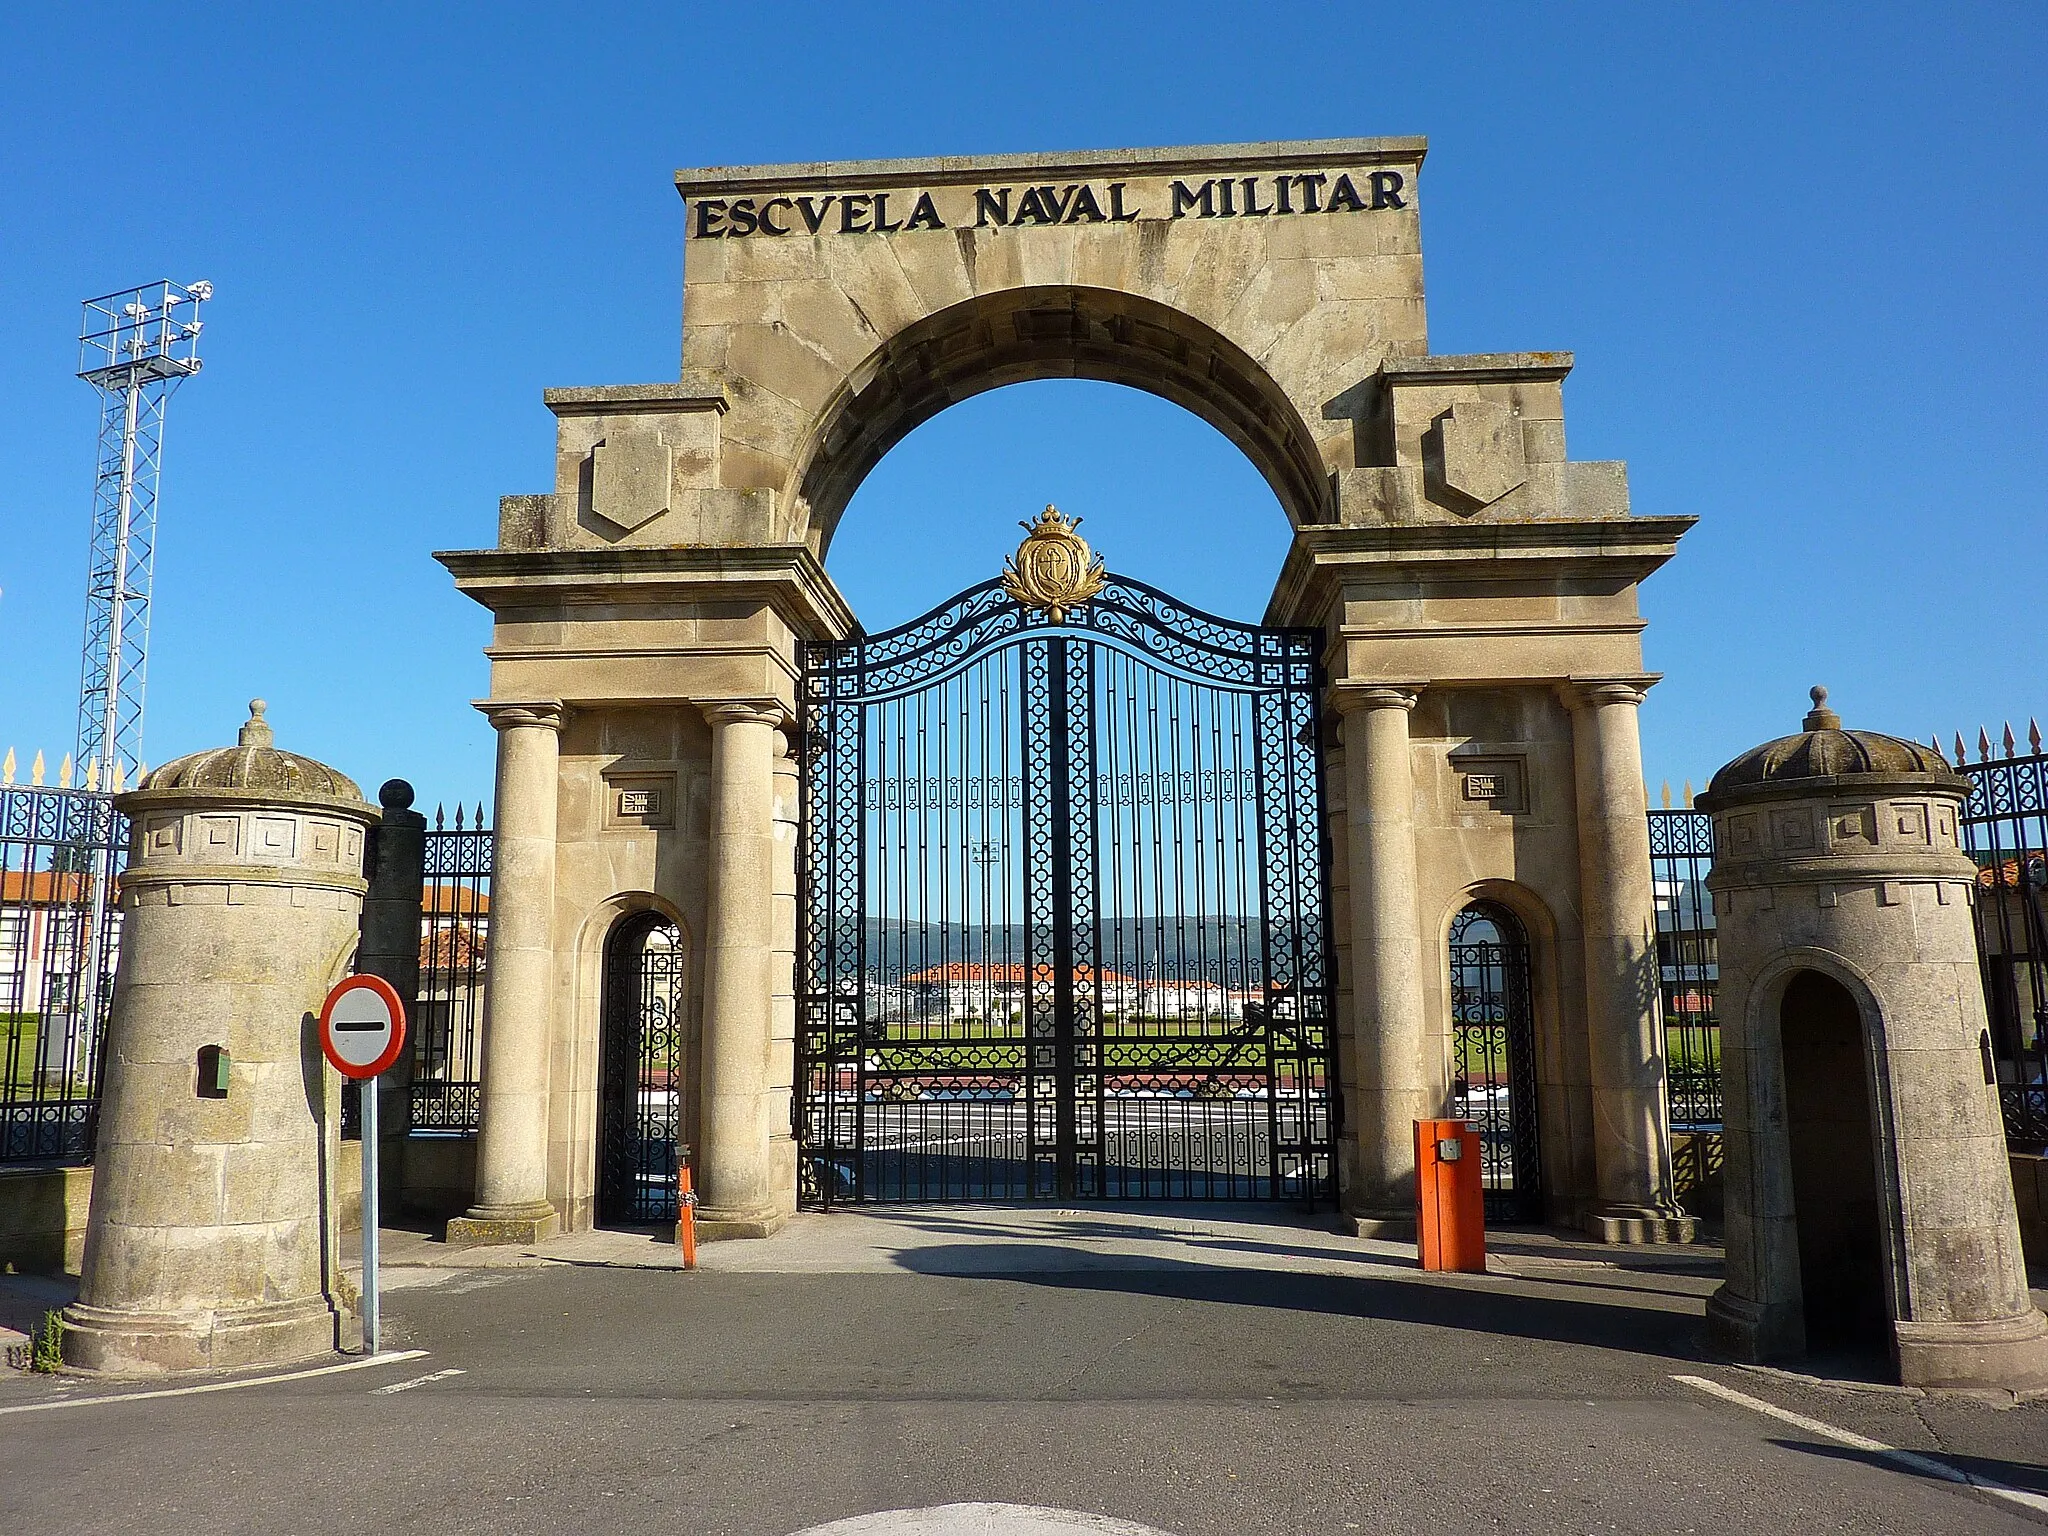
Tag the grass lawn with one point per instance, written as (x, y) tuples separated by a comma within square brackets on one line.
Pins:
[(18, 1033)]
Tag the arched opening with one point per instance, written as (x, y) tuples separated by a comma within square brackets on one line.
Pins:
[(1066, 865), (1834, 1168), (1021, 334), (1161, 495), (640, 1078), (1493, 1054)]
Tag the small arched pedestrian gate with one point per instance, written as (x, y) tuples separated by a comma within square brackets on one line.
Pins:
[(1064, 923), (1494, 1048), (640, 1076)]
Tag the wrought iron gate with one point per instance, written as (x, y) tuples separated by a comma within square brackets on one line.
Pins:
[(1064, 931), (1494, 1043), (640, 1082)]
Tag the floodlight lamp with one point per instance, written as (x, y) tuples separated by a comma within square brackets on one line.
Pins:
[(133, 310), (201, 290)]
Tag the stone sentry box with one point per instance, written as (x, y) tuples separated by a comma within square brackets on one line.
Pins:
[(1869, 1210), (211, 1242)]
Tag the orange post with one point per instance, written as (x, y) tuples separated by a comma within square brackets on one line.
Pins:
[(686, 1216), (1450, 1197)]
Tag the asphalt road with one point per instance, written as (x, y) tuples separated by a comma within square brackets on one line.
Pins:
[(1199, 1395)]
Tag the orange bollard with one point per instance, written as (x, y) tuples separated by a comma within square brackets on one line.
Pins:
[(1450, 1197), (686, 1217)]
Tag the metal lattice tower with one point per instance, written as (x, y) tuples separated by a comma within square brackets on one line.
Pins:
[(135, 347)]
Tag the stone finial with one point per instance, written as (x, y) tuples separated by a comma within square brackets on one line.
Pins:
[(256, 731), (1820, 717), (395, 795)]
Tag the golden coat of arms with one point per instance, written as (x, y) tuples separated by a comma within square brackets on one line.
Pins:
[(1053, 568)]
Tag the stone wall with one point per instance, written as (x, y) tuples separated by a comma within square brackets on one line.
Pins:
[(42, 1219), (2030, 1194)]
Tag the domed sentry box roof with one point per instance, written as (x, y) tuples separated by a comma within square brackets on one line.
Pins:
[(1824, 755), (254, 767)]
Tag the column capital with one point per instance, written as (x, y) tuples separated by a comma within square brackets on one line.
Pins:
[(744, 711), (505, 714), (1591, 692), (1349, 698)]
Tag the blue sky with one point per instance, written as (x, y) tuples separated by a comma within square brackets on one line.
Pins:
[(1797, 250)]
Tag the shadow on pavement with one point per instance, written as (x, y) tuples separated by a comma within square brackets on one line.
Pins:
[(1472, 1304), (1187, 1229), (2027, 1476)]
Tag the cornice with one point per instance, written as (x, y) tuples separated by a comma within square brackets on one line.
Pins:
[(1324, 554), (827, 175), (1479, 368), (699, 389), (786, 576)]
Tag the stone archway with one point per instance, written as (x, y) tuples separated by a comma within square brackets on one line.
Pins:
[(842, 305), (1475, 591), (1056, 332)]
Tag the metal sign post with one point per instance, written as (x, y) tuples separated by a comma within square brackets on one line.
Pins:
[(362, 1031)]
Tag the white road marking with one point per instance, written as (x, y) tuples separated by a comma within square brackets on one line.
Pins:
[(1910, 1461), (397, 1357), (417, 1381)]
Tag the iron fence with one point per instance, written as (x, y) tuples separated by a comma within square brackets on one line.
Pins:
[(1681, 853), (455, 921), (2005, 830), (61, 855)]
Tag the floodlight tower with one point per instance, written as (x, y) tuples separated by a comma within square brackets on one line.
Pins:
[(136, 347)]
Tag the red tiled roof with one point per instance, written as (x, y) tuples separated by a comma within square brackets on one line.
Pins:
[(42, 887), (449, 949), (1011, 975)]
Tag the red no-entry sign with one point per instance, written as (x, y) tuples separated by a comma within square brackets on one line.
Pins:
[(362, 1026), (362, 1030)]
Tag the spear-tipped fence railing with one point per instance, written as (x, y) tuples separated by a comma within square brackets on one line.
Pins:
[(61, 854), (455, 923), (2005, 831)]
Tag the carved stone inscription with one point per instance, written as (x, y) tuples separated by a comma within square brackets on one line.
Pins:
[(1499, 784)]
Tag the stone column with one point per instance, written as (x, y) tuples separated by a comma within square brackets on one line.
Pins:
[(209, 1245), (1397, 1082), (1624, 1014), (782, 1148), (512, 1147), (733, 1156)]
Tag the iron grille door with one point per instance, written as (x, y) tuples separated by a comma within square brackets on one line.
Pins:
[(640, 1103), (1493, 1029), (1064, 933)]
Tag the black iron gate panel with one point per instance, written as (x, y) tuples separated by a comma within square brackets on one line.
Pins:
[(1064, 932), (1494, 1048), (2005, 830), (62, 851), (640, 1077)]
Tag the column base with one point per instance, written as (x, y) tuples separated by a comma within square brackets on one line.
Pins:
[(1632, 1225), (1752, 1331), (121, 1341), (2008, 1352), (534, 1222), (716, 1224), (1390, 1224)]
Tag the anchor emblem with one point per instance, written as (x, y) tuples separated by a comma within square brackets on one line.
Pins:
[(1053, 568)]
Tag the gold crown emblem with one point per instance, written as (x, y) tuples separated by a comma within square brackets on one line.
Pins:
[(1053, 568)]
